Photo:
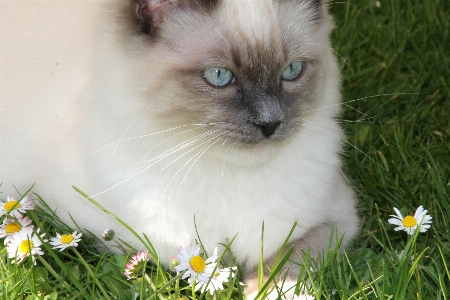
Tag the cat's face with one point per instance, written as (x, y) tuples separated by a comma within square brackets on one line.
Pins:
[(251, 68)]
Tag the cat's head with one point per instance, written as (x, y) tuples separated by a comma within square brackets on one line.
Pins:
[(254, 68)]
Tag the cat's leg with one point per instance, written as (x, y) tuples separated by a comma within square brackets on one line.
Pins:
[(316, 241), (343, 223)]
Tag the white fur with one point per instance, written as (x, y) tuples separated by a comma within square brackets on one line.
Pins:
[(56, 132)]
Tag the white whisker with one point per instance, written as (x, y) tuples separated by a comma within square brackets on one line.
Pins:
[(165, 140), (323, 124), (328, 4), (185, 164), (359, 99), (175, 149), (288, 30), (358, 111), (154, 133), (329, 48), (226, 151), (353, 189), (115, 148), (233, 149), (217, 140), (152, 162), (361, 120), (209, 139), (345, 141)]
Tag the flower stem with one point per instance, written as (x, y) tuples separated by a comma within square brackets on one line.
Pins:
[(90, 273), (170, 282), (152, 285), (177, 285), (194, 296), (49, 268)]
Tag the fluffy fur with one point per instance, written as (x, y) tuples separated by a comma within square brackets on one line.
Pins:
[(129, 119)]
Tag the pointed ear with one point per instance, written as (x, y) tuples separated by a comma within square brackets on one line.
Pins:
[(150, 13)]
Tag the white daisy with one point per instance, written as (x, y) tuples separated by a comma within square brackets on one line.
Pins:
[(25, 243), (66, 240), (409, 223), (136, 265), (219, 277), (15, 207), (11, 226), (194, 264)]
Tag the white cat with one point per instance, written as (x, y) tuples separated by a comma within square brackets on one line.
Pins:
[(166, 110)]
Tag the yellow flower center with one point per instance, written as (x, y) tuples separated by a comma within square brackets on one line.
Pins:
[(66, 238), (197, 264), (409, 221), (10, 205), (26, 246), (12, 228)]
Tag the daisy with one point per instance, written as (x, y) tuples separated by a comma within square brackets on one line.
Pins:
[(196, 266), (219, 277), (137, 264), (11, 226), (409, 223), (66, 240), (25, 243), (15, 207)]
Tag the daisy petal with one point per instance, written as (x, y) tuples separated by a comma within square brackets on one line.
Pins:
[(410, 224)]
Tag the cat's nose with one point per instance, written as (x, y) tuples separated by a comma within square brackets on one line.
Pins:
[(268, 128)]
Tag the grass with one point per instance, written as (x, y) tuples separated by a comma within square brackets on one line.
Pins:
[(395, 62)]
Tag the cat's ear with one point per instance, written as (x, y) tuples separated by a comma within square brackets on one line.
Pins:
[(150, 13)]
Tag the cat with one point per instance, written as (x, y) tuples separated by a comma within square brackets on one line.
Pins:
[(169, 110)]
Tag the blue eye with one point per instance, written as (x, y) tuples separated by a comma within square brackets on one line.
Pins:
[(292, 71), (218, 76)]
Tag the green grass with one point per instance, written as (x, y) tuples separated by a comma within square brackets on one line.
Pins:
[(395, 64)]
